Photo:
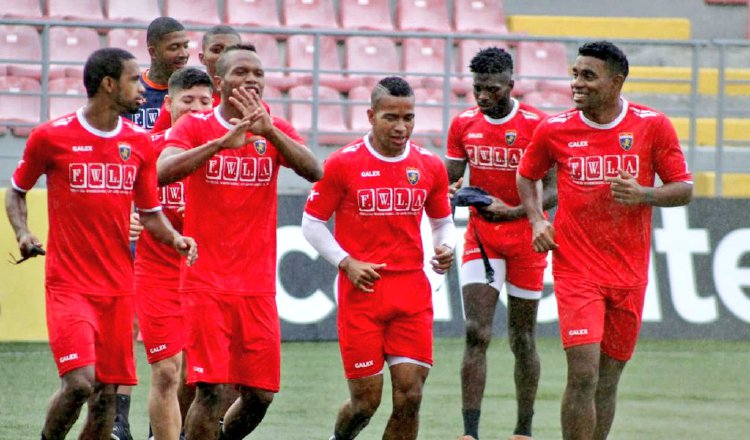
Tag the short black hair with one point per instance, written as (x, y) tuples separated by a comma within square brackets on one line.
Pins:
[(102, 63), (160, 27), (390, 86), (491, 60), (221, 64), (187, 78), (612, 56), (221, 29)]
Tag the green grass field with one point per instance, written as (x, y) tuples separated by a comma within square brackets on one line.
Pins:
[(671, 390)]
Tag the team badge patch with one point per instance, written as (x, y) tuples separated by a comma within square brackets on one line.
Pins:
[(124, 150), (626, 141), (510, 137), (412, 174), (260, 146)]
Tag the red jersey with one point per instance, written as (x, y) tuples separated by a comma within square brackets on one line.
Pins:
[(92, 179), (232, 209), (155, 261), (493, 150), (602, 240), (164, 120), (378, 202)]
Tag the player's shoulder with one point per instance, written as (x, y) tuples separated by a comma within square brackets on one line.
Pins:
[(468, 113), (565, 117), (644, 112), (349, 150), (132, 127), (529, 112)]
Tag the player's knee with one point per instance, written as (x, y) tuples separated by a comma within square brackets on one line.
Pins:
[(166, 377), (256, 397), (365, 406), (583, 379), (78, 388), (208, 395), (408, 399), (521, 342), (478, 336)]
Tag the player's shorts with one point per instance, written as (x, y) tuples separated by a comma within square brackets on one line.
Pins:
[(233, 339), (92, 330), (394, 321), (524, 267), (160, 319), (590, 313)]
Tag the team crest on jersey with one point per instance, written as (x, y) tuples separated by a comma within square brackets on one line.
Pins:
[(124, 150), (626, 141), (510, 137), (260, 146), (412, 174)]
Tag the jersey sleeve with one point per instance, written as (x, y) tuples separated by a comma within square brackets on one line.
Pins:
[(182, 134), (326, 194), (669, 162), (288, 130), (146, 197), (33, 162), (163, 121), (537, 159), (437, 204), (455, 149)]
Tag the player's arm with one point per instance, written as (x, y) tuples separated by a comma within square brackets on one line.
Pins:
[(549, 190), (16, 208), (444, 241), (542, 233), (626, 190), (158, 225), (456, 169)]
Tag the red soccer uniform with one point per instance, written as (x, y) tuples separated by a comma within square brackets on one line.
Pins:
[(601, 240), (164, 120), (382, 199), (232, 202), (92, 179)]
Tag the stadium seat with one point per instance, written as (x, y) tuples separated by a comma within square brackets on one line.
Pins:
[(21, 43), (132, 40), (75, 96), (366, 14), (132, 10), (422, 15), (309, 14), (376, 55), (262, 13), (300, 54), (357, 113), (21, 9), (549, 101), (68, 44), (331, 124), (428, 129), (15, 107), (268, 50), (484, 16), (274, 98), (467, 49), (193, 11), (424, 55), (195, 44), (75, 9), (540, 58)]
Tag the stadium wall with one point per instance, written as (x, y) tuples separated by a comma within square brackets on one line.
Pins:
[(699, 278)]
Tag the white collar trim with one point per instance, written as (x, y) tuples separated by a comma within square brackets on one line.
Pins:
[(612, 124), (95, 131), (372, 151), (224, 123), (507, 117)]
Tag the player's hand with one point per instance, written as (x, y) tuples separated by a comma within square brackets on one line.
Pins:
[(442, 259), (499, 211), (362, 274), (26, 242), (454, 187), (543, 236), (187, 247), (235, 138), (135, 226), (626, 190)]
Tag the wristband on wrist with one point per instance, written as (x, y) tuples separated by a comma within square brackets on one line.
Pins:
[(649, 196)]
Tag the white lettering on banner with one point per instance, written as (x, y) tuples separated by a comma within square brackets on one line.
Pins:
[(593, 170), (391, 201), (729, 277), (500, 158), (101, 177), (239, 171)]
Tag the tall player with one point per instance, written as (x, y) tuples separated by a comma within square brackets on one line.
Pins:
[(491, 138), (232, 156), (157, 275), (378, 187), (607, 151), (96, 164)]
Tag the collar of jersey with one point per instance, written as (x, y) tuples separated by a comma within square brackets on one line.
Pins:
[(398, 158), (153, 85), (507, 117), (612, 124), (96, 132), (224, 123)]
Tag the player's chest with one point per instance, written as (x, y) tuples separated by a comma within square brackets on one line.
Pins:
[(388, 187), (253, 164), (109, 164), (497, 148)]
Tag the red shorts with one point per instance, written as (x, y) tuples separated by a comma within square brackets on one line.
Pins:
[(160, 319), (510, 242), (233, 339), (590, 313), (92, 330), (394, 320)]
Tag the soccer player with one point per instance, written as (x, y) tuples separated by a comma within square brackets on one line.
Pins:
[(491, 138), (157, 275), (97, 164), (378, 187), (232, 156), (607, 151)]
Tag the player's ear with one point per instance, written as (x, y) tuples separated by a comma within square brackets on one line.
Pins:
[(217, 83), (371, 116), (168, 102), (200, 57)]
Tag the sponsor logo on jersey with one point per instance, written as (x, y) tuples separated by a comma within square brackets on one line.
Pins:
[(373, 173), (68, 358), (198, 369), (412, 175), (626, 141), (364, 364), (529, 115), (578, 144), (239, 171), (260, 146), (510, 137), (593, 170), (157, 349), (124, 149), (498, 158), (391, 201), (82, 148), (172, 195), (578, 332), (312, 195), (475, 136), (101, 177)]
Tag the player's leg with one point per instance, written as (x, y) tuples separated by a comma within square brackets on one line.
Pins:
[(75, 389), (121, 427), (610, 371), (202, 421), (246, 412), (185, 392), (364, 399), (522, 338), (578, 413), (163, 405), (407, 381), (101, 412)]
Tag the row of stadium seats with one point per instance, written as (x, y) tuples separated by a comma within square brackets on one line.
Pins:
[(410, 15)]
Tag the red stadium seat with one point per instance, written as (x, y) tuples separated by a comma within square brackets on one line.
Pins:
[(70, 44), (300, 54), (539, 58), (428, 129), (268, 50), (273, 98), (422, 15), (424, 55), (467, 49), (15, 107), (366, 14), (357, 113), (75, 96), (309, 14), (132, 40), (194, 46), (549, 101), (21, 9), (486, 16), (132, 10), (331, 125), (261, 13), (21, 43), (75, 9), (377, 55), (193, 11)]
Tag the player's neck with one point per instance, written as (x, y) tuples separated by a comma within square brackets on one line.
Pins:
[(101, 115), (157, 76), (606, 113), (228, 111), (383, 150)]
